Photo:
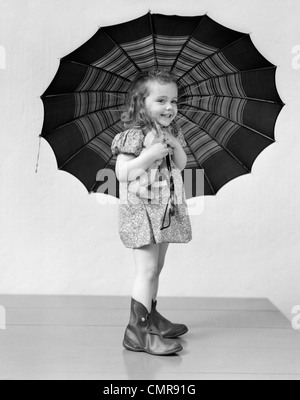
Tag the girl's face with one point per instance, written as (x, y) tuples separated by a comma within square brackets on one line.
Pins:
[(161, 104)]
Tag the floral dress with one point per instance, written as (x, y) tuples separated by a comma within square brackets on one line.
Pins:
[(140, 220)]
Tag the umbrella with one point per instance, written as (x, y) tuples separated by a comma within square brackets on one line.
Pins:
[(228, 101)]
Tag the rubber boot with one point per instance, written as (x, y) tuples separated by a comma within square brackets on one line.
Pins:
[(141, 334), (166, 328)]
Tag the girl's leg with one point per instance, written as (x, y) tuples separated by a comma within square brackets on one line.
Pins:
[(166, 328), (146, 262), (141, 333), (163, 247)]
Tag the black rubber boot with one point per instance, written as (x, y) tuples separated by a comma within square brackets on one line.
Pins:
[(166, 328), (142, 335)]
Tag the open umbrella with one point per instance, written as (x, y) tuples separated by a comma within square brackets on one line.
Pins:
[(228, 101)]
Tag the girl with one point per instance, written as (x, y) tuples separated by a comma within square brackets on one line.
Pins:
[(145, 226)]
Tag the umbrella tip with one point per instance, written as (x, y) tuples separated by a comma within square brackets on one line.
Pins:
[(38, 156)]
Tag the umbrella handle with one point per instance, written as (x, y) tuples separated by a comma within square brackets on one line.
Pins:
[(172, 187)]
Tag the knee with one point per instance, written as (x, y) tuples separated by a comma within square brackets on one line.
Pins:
[(149, 273), (159, 269)]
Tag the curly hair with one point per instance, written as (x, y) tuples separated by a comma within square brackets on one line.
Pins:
[(136, 114)]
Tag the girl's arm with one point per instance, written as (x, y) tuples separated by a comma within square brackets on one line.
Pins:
[(129, 167), (179, 156)]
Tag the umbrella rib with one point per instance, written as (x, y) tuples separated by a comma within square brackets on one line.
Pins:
[(186, 43), (112, 93), (97, 68), (225, 149), (111, 108), (195, 157), (222, 76), (228, 74), (86, 144), (228, 119), (153, 39), (212, 55), (122, 50), (232, 97)]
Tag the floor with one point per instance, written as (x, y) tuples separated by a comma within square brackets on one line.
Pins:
[(79, 338)]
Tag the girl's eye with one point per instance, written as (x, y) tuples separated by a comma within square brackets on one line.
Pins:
[(162, 101)]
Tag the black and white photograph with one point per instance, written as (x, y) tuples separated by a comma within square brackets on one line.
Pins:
[(149, 193)]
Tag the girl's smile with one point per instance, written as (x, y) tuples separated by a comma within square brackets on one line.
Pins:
[(161, 104)]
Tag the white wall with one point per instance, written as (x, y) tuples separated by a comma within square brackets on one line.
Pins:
[(56, 239)]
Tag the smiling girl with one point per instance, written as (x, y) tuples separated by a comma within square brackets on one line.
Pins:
[(151, 108)]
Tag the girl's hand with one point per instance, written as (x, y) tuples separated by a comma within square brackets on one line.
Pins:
[(158, 151), (171, 141)]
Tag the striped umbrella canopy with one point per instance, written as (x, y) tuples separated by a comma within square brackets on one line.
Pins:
[(228, 101)]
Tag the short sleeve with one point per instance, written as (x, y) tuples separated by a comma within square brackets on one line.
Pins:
[(128, 142), (181, 139)]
